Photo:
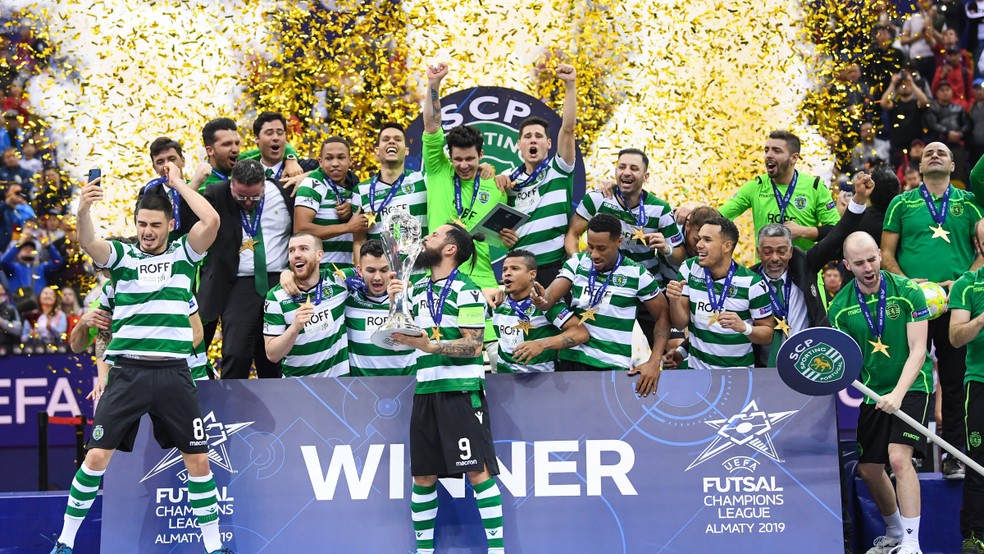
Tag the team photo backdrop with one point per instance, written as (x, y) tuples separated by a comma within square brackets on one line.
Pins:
[(728, 460)]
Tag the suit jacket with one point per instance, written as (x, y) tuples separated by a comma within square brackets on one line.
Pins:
[(222, 262), (803, 269)]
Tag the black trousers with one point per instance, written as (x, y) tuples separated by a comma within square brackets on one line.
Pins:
[(242, 332), (972, 510), (952, 366)]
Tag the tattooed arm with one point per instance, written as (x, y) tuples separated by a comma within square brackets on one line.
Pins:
[(573, 335), (468, 346), (432, 103)]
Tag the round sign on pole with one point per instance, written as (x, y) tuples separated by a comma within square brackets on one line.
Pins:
[(819, 361)]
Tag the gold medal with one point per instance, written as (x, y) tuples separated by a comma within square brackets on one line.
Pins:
[(436, 334), (524, 326), (782, 325), (249, 244), (940, 233), (715, 316), (370, 218), (879, 346), (338, 272), (588, 315), (639, 235)]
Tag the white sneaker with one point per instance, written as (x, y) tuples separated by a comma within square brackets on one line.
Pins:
[(905, 549), (883, 545)]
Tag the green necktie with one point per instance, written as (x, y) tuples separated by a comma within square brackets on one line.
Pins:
[(777, 336), (260, 279), (269, 173)]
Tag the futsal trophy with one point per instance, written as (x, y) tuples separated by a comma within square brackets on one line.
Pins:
[(401, 241)]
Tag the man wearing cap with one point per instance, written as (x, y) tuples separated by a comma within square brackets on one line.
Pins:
[(947, 122), (975, 142), (12, 134), (953, 71)]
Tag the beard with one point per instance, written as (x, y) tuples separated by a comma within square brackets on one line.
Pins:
[(427, 259)]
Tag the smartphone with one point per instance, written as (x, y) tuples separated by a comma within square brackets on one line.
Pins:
[(93, 175)]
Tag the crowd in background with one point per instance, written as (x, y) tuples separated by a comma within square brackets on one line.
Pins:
[(38, 306)]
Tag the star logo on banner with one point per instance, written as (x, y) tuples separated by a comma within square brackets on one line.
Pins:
[(216, 433), (751, 428)]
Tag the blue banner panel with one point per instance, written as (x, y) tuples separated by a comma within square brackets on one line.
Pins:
[(57, 383), (720, 461)]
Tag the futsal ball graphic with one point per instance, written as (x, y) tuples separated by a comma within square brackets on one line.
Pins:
[(936, 299)]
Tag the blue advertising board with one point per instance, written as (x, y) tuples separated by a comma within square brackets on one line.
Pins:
[(56, 383), (718, 461)]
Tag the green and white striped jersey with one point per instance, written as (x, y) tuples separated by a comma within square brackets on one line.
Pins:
[(659, 219), (364, 314), (314, 193), (717, 347), (321, 347), (610, 345), (411, 198), (152, 299), (197, 361), (463, 308), (510, 335), (548, 201)]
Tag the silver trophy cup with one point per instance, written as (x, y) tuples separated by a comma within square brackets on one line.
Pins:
[(402, 242)]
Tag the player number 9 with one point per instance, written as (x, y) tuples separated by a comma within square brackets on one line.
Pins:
[(465, 446)]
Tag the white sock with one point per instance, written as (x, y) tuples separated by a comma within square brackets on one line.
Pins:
[(910, 530), (69, 529), (893, 525), (211, 536)]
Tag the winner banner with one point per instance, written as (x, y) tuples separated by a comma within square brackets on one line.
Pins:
[(720, 461)]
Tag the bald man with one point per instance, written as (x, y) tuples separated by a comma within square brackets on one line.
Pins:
[(886, 314), (936, 217)]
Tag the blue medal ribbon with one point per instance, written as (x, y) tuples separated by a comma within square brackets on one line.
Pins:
[(437, 311), (219, 176), (876, 326), (596, 296), (783, 201), (717, 304), (519, 308), (173, 194), (787, 288), (280, 171), (335, 189), (389, 196), (319, 293), (939, 215), (641, 217), (458, 204), (519, 171), (252, 227), (357, 284)]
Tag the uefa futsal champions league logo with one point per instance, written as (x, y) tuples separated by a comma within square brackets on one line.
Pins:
[(216, 433), (750, 428)]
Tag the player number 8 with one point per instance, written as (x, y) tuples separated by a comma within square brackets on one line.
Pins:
[(199, 429), (465, 446)]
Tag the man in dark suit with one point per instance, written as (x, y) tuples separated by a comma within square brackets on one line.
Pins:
[(797, 300), (245, 261)]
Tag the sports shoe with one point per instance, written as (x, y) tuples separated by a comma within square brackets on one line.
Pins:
[(953, 469), (905, 549), (883, 545), (61, 548), (972, 545)]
